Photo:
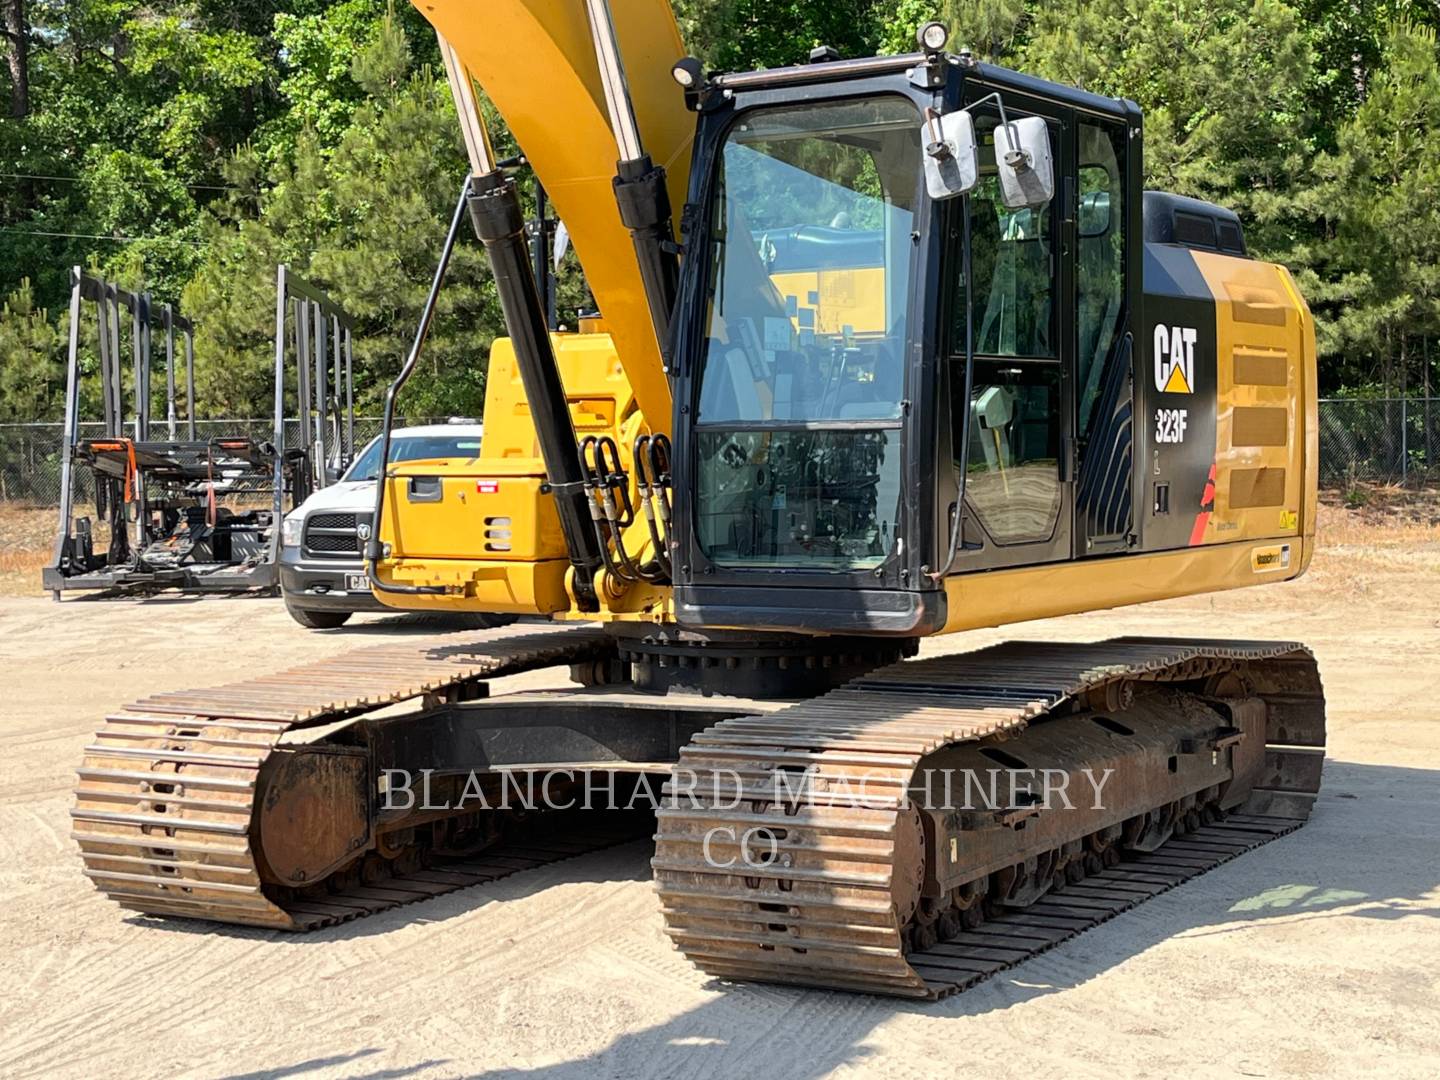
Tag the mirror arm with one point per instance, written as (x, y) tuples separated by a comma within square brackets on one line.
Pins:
[(937, 147), (999, 104), (1016, 159), (939, 150)]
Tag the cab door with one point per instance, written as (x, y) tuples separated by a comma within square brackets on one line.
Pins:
[(1017, 458), (1106, 292)]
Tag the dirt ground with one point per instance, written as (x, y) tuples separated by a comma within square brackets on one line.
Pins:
[(1317, 955)]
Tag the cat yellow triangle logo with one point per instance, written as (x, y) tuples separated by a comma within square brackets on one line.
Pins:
[(1176, 384), (1174, 356)]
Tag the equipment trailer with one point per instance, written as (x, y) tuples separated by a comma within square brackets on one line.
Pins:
[(162, 500)]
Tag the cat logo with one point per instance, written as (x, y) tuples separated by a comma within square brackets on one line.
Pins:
[(1174, 359)]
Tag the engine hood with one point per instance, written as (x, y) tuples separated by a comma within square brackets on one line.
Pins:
[(354, 495)]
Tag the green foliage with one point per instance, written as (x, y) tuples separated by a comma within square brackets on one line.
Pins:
[(1379, 199), (132, 111), (740, 35), (320, 49), (32, 369), (1222, 84), (1313, 119), (362, 218)]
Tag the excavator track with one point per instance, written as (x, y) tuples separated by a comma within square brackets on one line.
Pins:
[(838, 898), (166, 812)]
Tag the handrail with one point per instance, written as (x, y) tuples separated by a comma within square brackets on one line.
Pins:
[(373, 549)]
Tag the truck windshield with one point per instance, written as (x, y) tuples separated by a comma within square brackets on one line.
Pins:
[(412, 448), (809, 282)]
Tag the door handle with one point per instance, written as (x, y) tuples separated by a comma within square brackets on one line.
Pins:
[(424, 489), (1067, 459)]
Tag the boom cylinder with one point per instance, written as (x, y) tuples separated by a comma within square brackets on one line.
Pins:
[(499, 222), (640, 188), (493, 203), (645, 210)]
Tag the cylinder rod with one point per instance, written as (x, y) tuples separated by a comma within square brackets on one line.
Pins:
[(612, 78), (640, 189), (472, 124)]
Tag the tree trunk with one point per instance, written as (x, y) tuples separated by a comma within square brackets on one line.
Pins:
[(17, 35)]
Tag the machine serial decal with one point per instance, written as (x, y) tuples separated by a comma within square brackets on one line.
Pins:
[(1170, 425), (1175, 359)]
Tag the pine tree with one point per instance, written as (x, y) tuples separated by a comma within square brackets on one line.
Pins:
[(1377, 279), (32, 368), (363, 220)]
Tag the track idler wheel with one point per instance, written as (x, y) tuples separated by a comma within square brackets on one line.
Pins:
[(907, 875), (313, 814)]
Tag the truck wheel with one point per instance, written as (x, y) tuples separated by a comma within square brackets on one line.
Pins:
[(317, 620)]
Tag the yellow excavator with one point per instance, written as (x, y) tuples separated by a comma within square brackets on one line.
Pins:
[(886, 348)]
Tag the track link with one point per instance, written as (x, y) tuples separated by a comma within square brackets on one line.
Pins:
[(165, 812), (822, 911)]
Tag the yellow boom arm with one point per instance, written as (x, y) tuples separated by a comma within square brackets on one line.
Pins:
[(535, 60)]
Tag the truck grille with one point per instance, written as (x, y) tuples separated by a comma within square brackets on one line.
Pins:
[(334, 536), (331, 521)]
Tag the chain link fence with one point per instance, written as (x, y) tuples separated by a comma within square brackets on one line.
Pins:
[(1383, 440)]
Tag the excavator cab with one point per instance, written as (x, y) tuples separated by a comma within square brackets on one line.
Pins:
[(855, 357)]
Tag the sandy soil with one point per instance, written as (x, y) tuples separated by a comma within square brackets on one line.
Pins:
[(1317, 955)]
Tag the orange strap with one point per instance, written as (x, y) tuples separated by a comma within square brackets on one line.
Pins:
[(132, 472), (210, 514)]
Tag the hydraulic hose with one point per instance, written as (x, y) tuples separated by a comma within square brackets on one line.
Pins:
[(373, 549)]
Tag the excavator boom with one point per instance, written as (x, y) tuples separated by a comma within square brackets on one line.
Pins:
[(535, 60)]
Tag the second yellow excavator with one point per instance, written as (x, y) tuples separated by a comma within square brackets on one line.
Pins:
[(887, 348)]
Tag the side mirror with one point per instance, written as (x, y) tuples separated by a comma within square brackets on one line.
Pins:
[(952, 160), (1022, 156)]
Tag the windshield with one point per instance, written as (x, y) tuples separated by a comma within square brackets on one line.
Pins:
[(811, 263), (412, 448), (803, 359)]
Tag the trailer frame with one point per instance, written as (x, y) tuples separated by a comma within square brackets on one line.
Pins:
[(313, 334)]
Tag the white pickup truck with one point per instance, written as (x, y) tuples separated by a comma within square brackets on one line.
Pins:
[(322, 573)]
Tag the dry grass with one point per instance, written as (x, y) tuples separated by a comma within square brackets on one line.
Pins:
[(1379, 516), (26, 534)]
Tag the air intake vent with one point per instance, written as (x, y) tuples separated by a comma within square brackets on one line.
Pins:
[(1191, 223), (497, 534)]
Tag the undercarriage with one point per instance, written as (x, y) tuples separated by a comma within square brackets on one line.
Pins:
[(909, 832)]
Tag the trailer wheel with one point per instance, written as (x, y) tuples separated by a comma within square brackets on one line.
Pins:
[(317, 620)]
